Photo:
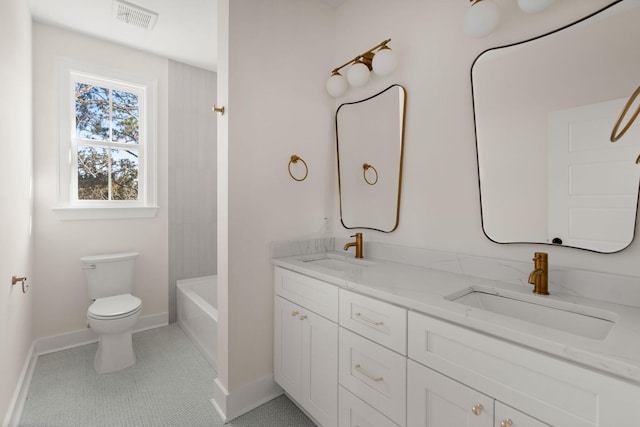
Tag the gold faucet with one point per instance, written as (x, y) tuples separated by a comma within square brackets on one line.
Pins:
[(357, 244), (539, 277)]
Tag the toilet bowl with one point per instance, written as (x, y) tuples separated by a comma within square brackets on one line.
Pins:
[(113, 319), (114, 311)]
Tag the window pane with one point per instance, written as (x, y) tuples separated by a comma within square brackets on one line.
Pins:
[(126, 112), (93, 173), (124, 185), (92, 112)]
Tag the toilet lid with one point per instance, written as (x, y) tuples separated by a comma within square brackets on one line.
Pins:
[(114, 306)]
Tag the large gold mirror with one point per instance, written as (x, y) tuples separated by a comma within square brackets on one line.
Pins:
[(544, 110), (369, 136)]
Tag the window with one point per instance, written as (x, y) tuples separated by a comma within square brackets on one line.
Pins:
[(106, 144)]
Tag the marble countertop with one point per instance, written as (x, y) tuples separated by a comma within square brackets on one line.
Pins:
[(424, 290)]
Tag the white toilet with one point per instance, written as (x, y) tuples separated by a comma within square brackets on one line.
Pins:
[(114, 311)]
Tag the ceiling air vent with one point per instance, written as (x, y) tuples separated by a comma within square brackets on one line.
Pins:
[(134, 15)]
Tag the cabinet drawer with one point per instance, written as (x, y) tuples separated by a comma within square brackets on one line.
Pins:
[(379, 321), (356, 413), (313, 294), (375, 374)]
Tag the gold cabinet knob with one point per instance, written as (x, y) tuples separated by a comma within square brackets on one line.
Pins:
[(506, 423), (302, 317), (477, 409), (295, 313)]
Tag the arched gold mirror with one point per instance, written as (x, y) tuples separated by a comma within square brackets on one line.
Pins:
[(369, 137)]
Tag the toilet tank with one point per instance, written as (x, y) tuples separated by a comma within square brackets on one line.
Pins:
[(110, 274)]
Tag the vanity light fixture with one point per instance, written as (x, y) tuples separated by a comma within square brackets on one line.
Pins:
[(380, 59), (483, 15), (481, 18), (533, 6)]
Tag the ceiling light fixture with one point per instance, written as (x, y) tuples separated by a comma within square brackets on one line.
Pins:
[(380, 59)]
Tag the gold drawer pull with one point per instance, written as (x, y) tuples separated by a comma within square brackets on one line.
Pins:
[(366, 319), (295, 313), (477, 409), (506, 423), (367, 374), (302, 317)]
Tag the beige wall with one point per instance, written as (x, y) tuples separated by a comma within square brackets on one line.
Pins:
[(278, 55), (15, 194), (61, 296)]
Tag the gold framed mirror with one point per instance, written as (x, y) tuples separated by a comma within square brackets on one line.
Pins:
[(369, 142)]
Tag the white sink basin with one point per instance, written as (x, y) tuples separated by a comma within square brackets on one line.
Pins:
[(576, 319), (336, 262)]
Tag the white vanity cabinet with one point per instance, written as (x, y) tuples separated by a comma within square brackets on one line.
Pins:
[(529, 388), (352, 360), (306, 344)]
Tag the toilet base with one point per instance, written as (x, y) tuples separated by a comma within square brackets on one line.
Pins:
[(115, 352)]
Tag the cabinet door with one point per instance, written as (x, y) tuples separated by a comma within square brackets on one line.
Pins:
[(435, 401), (319, 384), (506, 416), (287, 346)]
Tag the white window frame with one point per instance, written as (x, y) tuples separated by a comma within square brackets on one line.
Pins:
[(68, 205)]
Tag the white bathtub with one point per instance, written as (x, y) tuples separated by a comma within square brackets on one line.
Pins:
[(198, 314)]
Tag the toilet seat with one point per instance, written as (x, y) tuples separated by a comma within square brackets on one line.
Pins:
[(114, 307)]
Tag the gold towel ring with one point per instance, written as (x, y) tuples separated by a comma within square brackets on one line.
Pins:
[(294, 159), (615, 137), (365, 168)]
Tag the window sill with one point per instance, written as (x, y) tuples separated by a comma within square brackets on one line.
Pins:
[(69, 213)]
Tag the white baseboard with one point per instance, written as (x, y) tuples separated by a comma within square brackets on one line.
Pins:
[(247, 397), (57, 343), (14, 413)]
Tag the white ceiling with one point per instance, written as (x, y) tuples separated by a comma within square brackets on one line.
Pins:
[(186, 30)]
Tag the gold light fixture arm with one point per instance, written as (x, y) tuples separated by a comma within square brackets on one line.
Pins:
[(366, 57), (365, 168), (624, 112), (294, 159)]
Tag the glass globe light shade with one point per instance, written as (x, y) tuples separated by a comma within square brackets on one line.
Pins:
[(337, 85), (358, 74), (481, 18), (533, 6), (384, 62)]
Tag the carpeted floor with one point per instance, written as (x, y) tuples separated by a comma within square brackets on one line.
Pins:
[(170, 386)]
